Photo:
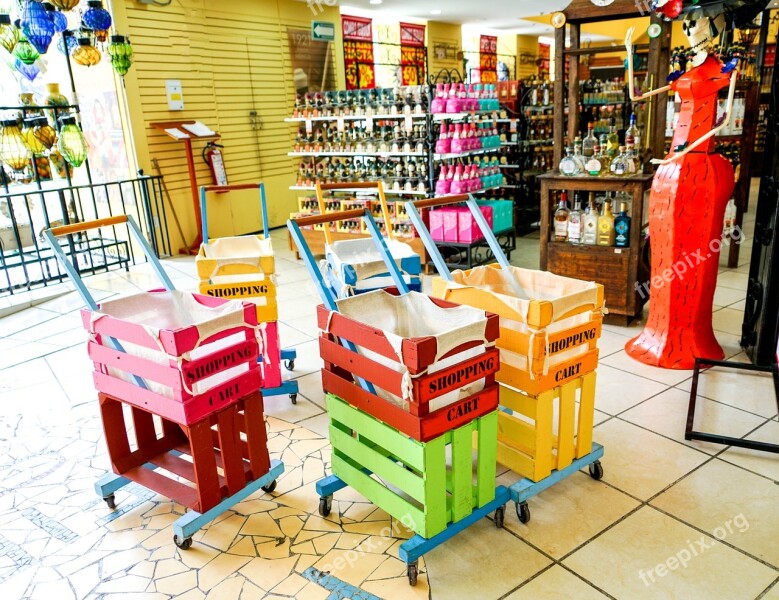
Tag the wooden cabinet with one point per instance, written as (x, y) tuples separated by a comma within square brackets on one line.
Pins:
[(623, 272)]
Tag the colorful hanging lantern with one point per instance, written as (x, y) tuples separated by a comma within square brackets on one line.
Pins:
[(121, 53), (72, 143), (35, 145), (96, 17), (9, 34), (30, 72), (65, 5), (85, 53), (43, 132), (13, 149), (67, 38), (37, 26), (25, 51), (59, 20)]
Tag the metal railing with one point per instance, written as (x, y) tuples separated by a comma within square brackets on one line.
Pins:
[(26, 261)]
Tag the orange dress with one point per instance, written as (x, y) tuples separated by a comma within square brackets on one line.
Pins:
[(686, 211)]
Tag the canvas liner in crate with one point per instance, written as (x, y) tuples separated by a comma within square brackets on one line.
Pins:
[(357, 263), (546, 432), (240, 267), (411, 478), (549, 324), (432, 362), (216, 456), (185, 355)]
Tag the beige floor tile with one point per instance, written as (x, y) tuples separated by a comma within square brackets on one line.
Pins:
[(85, 580), (666, 414), (229, 589), (219, 569), (624, 562), (556, 525), (728, 320), (278, 548), (746, 390), (177, 584), (313, 591), (267, 574), (350, 565), (712, 498), (261, 524), (764, 463), (610, 342), (611, 385), (169, 567), (556, 583), (620, 360), (725, 296), (398, 587), (450, 566), (128, 583), (773, 593), (290, 586), (281, 408), (733, 279), (54, 589), (640, 462)]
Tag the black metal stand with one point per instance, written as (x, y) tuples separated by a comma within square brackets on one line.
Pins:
[(714, 438)]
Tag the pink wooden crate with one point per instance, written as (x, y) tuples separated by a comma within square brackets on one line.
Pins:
[(468, 231), (195, 354), (271, 363)]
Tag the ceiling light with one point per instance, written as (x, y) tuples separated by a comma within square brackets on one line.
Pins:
[(435, 11)]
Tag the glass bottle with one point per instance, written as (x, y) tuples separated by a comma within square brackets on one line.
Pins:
[(577, 154), (590, 223), (622, 227), (630, 160), (575, 221), (569, 166), (632, 133), (619, 165), (612, 141), (589, 142), (595, 164), (561, 219), (606, 232)]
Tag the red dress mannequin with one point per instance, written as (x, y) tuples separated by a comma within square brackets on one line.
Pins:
[(686, 211)]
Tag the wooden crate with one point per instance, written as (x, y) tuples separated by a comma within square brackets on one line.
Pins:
[(527, 441), (232, 273), (343, 365), (158, 373), (424, 490), (217, 456)]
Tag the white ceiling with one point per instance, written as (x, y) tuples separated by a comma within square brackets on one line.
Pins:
[(496, 17)]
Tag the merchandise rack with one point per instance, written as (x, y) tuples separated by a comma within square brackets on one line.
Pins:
[(398, 456), (243, 463), (261, 271), (551, 458)]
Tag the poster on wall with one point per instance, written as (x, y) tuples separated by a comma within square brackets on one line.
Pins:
[(488, 58), (358, 53), (312, 62), (413, 53)]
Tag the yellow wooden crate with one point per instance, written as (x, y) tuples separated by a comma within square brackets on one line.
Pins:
[(548, 431)]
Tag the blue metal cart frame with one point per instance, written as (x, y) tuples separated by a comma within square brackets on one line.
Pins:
[(288, 355), (188, 524), (411, 550), (525, 488)]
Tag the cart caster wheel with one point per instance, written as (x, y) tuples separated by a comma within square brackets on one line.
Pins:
[(596, 470), (289, 365), (184, 544), (293, 398), (500, 514), (523, 512), (412, 572), (110, 501), (325, 505), (270, 487)]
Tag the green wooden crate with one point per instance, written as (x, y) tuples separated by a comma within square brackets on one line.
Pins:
[(411, 480)]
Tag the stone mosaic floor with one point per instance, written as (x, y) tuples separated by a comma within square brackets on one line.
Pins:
[(670, 519)]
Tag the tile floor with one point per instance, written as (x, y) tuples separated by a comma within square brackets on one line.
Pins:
[(670, 519)]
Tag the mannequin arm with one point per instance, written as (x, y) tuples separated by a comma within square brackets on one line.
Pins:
[(631, 86), (710, 134)]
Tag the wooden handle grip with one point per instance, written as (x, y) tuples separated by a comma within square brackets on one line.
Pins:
[(356, 213), (86, 225), (230, 188), (442, 201)]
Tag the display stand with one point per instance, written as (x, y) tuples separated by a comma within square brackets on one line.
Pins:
[(187, 137), (620, 270)]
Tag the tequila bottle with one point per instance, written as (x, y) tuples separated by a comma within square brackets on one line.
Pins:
[(622, 227), (612, 141), (590, 223), (619, 165), (606, 232), (589, 142), (561, 219), (595, 164), (575, 221), (570, 166)]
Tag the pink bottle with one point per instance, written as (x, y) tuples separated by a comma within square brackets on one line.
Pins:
[(458, 139), (439, 102), (444, 184), (473, 98), (454, 103), (475, 137), (459, 185), (444, 143)]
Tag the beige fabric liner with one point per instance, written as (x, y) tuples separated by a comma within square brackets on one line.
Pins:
[(364, 257), (239, 250), (175, 310), (415, 315)]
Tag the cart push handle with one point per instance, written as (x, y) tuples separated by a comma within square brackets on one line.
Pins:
[(427, 240), (204, 189), (356, 185)]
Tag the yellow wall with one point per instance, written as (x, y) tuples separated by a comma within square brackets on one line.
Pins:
[(231, 57), (526, 45), (446, 33)]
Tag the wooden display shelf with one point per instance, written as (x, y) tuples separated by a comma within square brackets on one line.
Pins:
[(619, 270)]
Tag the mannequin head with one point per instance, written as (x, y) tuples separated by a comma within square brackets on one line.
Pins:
[(701, 32)]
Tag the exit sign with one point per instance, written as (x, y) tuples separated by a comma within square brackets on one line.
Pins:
[(323, 31)]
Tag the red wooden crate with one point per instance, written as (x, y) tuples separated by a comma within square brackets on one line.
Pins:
[(343, 366), (216, 456), (186, 377)]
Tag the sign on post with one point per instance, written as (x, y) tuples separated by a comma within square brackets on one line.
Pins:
[(323, 31)]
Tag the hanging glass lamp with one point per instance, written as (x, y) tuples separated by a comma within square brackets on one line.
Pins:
[(65, 5), (13, 150), (85, 53), (72, 143), (67, 38), (30, 72), (96, 17), (43, 132), (9, 34), (35, 145), (37, 26), (58, 19), (121, 53), (25, 51)]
